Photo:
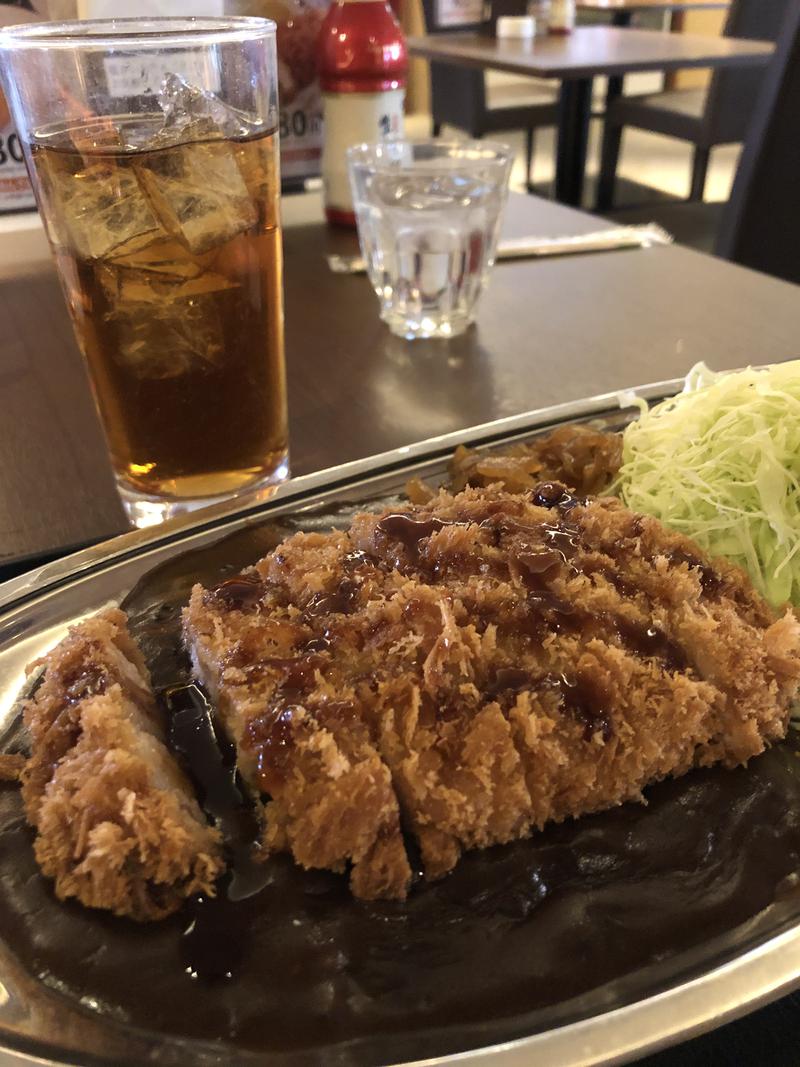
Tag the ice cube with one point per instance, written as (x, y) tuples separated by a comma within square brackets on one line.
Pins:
[(167, 257), (190, 172), (99, 211), (100, 134), (168, 340), (130, 286), (164, 325), (186, 106), (198, 193), (158, 339)]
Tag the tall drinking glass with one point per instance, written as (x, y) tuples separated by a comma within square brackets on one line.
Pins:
[(153, 150)]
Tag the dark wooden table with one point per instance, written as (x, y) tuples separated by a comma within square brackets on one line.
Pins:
[(546, 331), (576, 60)]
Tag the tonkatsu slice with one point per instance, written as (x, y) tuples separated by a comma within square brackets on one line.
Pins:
[(117, 825), (475, 667)]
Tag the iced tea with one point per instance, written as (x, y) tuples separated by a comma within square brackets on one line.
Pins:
[(171, 260)]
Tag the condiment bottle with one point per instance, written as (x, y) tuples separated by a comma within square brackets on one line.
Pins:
[(362, 69), (562, 16)]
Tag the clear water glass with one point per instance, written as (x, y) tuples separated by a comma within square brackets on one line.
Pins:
[(428, 215)]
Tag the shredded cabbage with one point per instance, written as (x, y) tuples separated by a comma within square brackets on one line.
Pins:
[(720, 462)]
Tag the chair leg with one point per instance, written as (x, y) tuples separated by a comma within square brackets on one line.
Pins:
[(699, 170), (530, 145), (609, 159), (436, 128)]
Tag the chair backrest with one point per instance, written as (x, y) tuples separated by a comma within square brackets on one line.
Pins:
[(433, 23), (733, 92), (458, 94), (760, 227)]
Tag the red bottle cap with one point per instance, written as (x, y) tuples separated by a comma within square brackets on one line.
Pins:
[(361, 48)]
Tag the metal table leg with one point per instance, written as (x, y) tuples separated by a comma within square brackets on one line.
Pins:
[(574, 109), (615, 82)]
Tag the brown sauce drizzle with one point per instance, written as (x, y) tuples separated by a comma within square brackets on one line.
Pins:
[(555, 495), (214, 943), (711, 583), (535, 567), (297, 672), (623, 587), (581, 699), (342, 600), (357, 559), (509, 680), (563, 538), (536, 562), (83, 682), (538, 566), (336, 713), (646, 641), (323, 643), (211, 763), (651, 642), (410, 531), (271, 737), (241, 592)]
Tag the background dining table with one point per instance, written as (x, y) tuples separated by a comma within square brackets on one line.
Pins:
[(576, 59), (547, 331)]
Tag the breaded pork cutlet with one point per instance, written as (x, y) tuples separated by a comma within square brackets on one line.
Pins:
[(479, 666), (117, 825)]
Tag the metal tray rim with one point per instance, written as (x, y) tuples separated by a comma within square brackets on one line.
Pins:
[(694, 1007)]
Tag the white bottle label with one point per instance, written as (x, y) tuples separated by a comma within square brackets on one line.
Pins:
[(353, 118)]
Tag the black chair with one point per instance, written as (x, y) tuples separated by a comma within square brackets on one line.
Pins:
[(720, 115), (460, 97), (759, 227), (761, 224)]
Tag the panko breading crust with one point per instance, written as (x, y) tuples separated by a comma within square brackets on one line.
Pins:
[(478, 666), (117, 825)]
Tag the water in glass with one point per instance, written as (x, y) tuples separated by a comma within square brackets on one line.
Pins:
[(428, 234)]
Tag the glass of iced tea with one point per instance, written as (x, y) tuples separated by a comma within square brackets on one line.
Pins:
[(153, 150)]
